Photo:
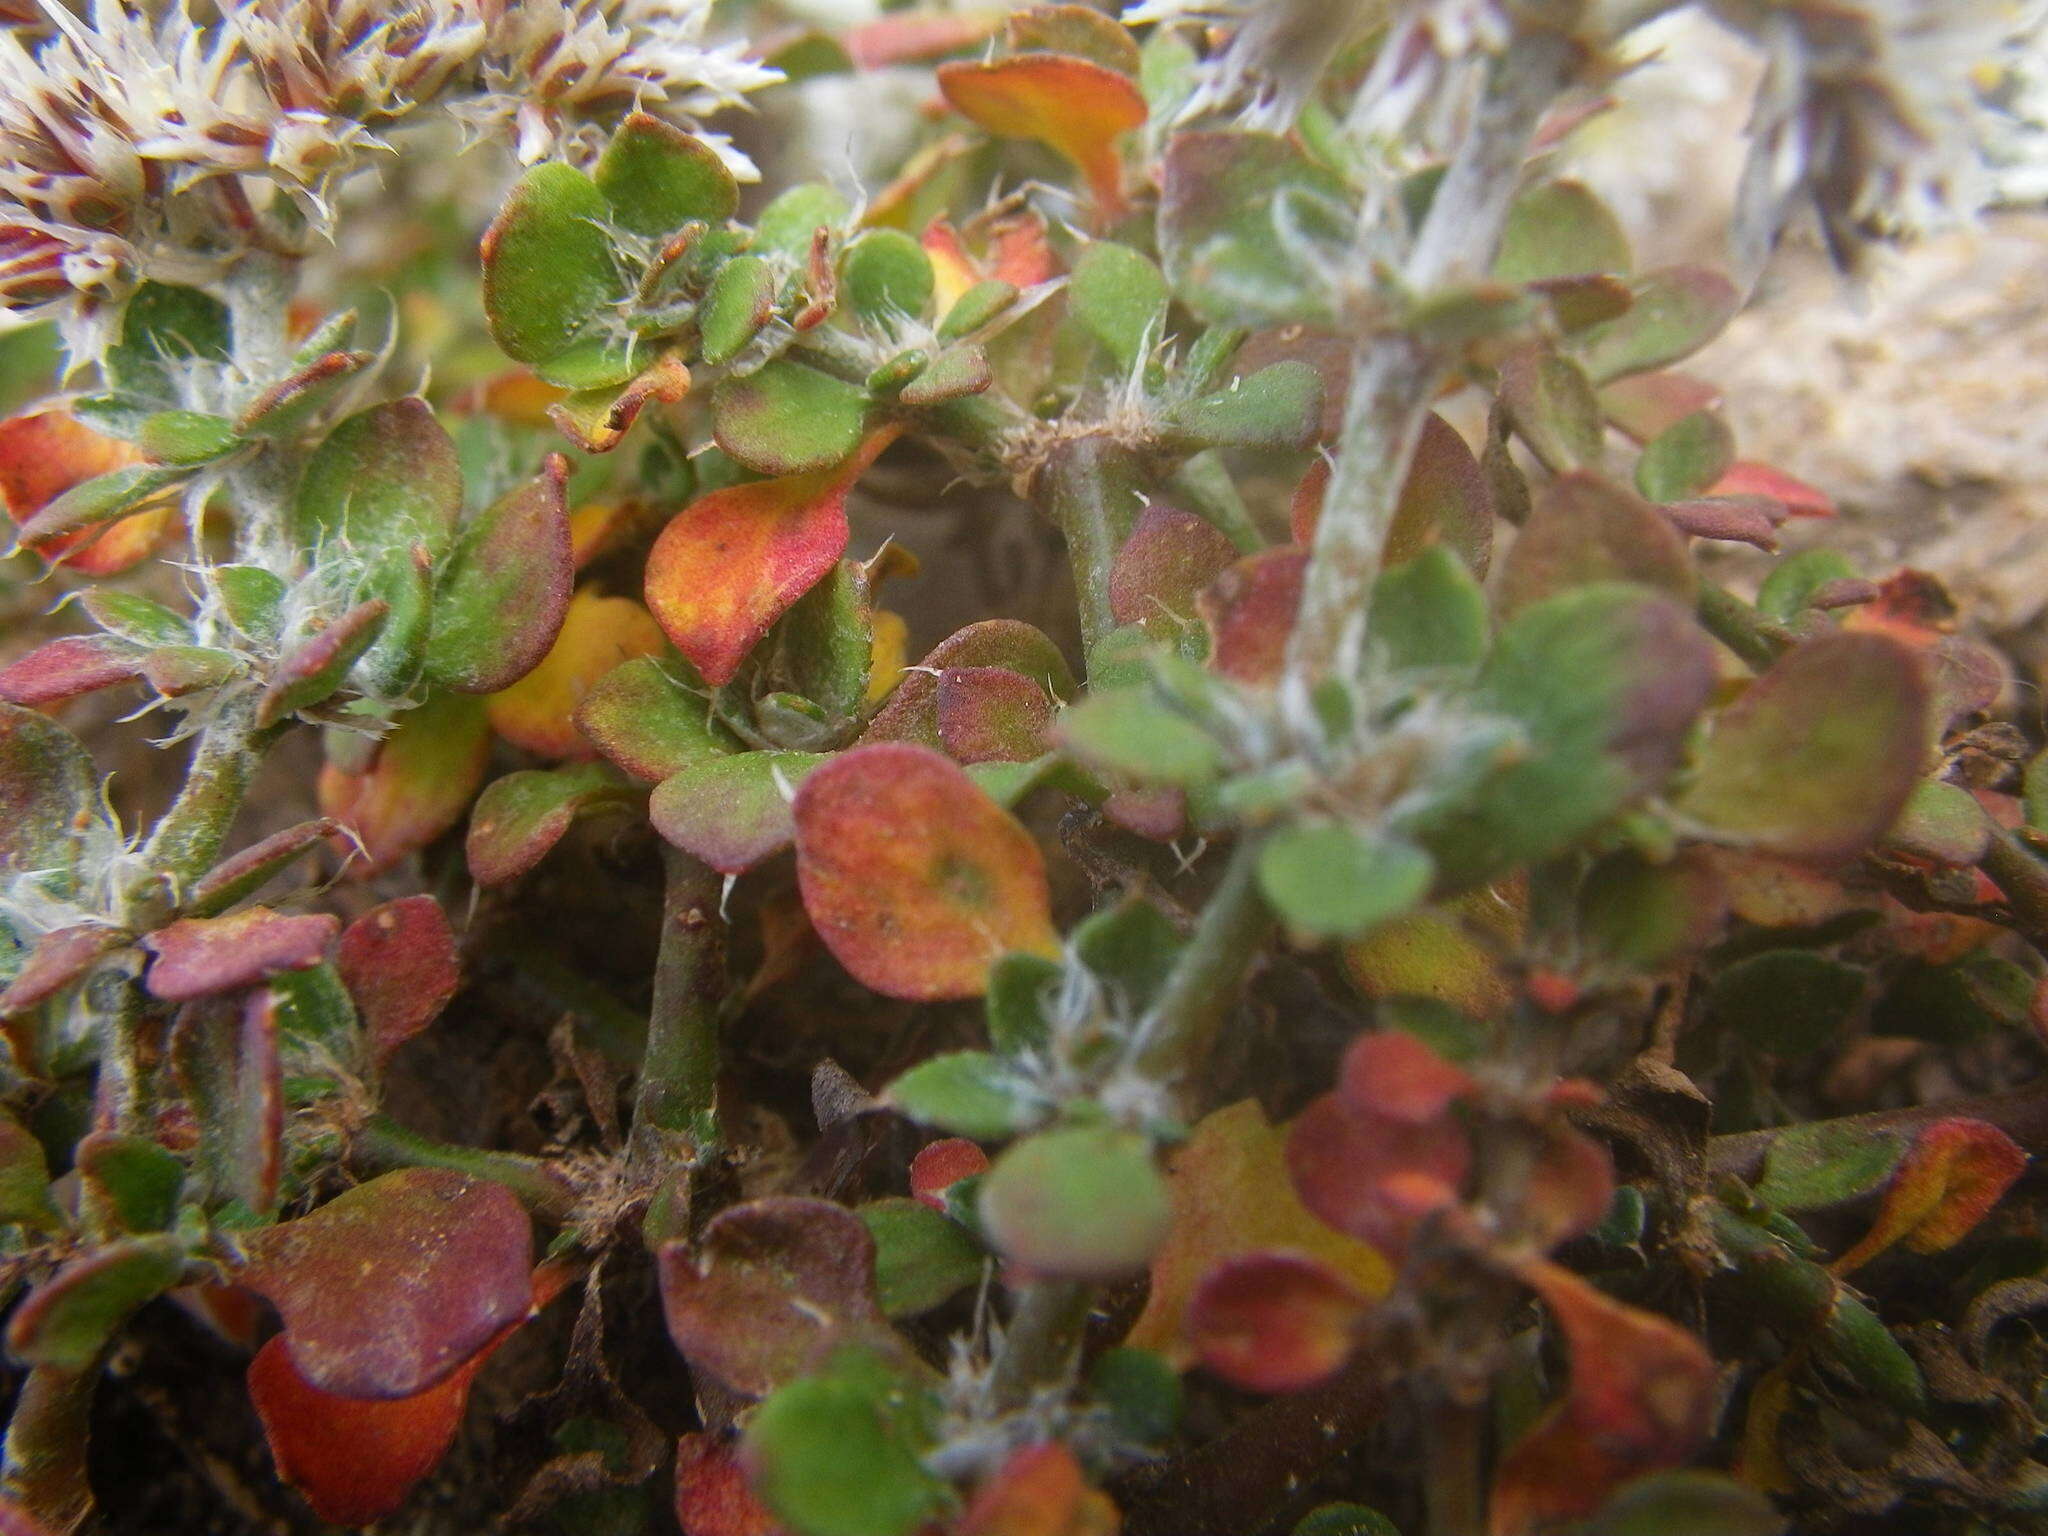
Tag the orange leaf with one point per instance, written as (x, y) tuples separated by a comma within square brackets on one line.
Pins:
[(1077, 107), (1641, 1398), (1232, 1196), (731, 563), (1747, 479), (538, 712), (913, 877), (44, 454), (418, 783), (354, 1459), (1948, 1181), (1038, 1491)]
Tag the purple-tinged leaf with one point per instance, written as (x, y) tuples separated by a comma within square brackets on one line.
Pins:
[(400, 965), (58, 959), (197, 956), (520, 817), (732, 812), (504, 591), (64, 669), (391, 1286), (245, 873), (775, 1287), (315, 668), (992, 715)]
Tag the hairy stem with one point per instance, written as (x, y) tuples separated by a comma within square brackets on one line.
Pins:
[(1205, 980), (676, 1100), (1397, 375), (187, 840), (382, 1145), (1088, 486), (1042, 1341)]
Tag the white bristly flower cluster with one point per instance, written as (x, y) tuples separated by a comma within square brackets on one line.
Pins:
[(1883, 114), (141, 141)]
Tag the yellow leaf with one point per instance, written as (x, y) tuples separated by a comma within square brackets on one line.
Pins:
[(1231, 1195)]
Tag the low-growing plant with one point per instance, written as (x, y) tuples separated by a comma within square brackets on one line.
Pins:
[(1332, 1033)]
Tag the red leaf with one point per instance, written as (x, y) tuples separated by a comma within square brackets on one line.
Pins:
[(1393, 1074), (712, 1495), (66, 668), (913, 877), (1078, 107), (1799, 498), (1163, 566), (399, 964), (1274, 1321), (1250, 610), (59, 958), (197, 956), (1371, 1176), (1948, 1181), (942, 1164), (1570, 1187), (731, 563), (390, 1287)]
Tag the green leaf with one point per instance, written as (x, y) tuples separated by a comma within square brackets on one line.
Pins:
[(186, 437), (386, 477), (548, 267), (786, 419), (658, 178), (1816, 759), (253, 600), (1430, 612), (135, 618), (520, 817), (954, 373), (1824, 1163), (788, 223), (1119, 297), (129, 1183), (1942, 823), (977, 307), (1128, 731), (1677, 311), (1141, 1390), (970, 1093), (732, 812), (100, 500), (1793, 581), (1085, 1202), (885, 276), (1328, 881), (1560, 229), (1280, 406), (825, 643), (1789, 1002), (1603, 681), (25, 1179), (68, 1319), (502, 594), (649, 724), (1226, 198), (163, 325), (49, 798), (1642, 915), (921, 1257), (739, 303), (1550, 401), (1130, 947), (838, 1453), (1020, 986), (1686, 458)]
